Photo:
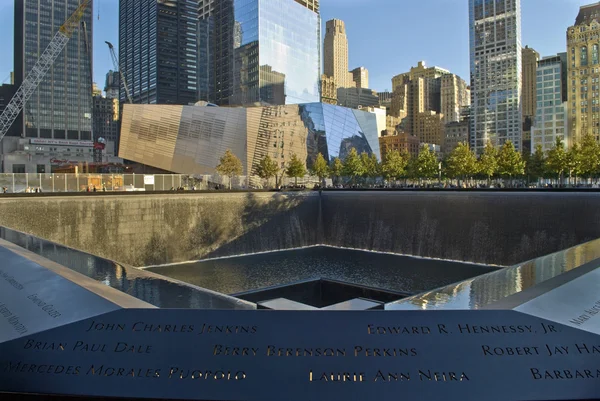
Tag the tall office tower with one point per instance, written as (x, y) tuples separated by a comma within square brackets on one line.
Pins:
[(312, 5), (112, 85), (265, 51), (551, 120), (584, 73), (495, 47), (360, 76), (61, 107), (530, 60), (420, 91), (335, 53), (158, 50), (454, 95)]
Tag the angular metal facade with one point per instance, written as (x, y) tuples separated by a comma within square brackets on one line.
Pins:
[(191, 139)]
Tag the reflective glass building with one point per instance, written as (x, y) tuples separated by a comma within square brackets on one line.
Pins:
[(158, 46), (261, 51), (61, 107), (495, 47), (191, 139)]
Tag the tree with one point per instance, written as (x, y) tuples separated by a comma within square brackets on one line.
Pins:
[(394, 165), (295, 169), (574, 162), (462, 162), (353, 166), (229, 166), (510, 162), (370, 165), (590, 155), (535, 164), (336, 169), (556, 162), (267, 168), (426, 164), (488, 161), (320, 168)]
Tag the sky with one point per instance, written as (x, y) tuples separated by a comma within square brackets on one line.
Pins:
[(385, 36)]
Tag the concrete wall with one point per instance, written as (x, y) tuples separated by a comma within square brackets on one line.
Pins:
[(149, 230), (487, 227)]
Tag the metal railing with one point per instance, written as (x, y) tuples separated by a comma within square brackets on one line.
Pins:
[(24, 183)]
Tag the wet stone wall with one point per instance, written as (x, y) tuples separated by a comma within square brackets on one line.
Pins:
[(502, 228), (150, 230), (499, 228)]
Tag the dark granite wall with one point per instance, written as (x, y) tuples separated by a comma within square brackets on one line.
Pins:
[(159, 229), (500, 228)]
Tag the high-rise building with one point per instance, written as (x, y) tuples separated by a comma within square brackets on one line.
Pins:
[(158, 50), (312, 5), (495, 48), (112, 85), (106, 121), (429, 127), (335, 53), (261, 51), (328, 90), (417, 91), (356, 98), (61, 106), (551, 114), (530, 62), (360, 76), (454, 95), (584, 73)]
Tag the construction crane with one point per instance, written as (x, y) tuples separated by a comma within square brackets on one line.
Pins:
[(118, 68), (41, 67)]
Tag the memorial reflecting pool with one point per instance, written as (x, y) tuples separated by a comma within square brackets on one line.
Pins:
[(379, 270)]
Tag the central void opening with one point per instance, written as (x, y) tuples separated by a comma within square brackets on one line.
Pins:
[(390, 272)]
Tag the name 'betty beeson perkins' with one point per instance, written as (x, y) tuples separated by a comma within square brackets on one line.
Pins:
[(173, 328)]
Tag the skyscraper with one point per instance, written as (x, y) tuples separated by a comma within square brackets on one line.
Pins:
[(360, 76), (61, 107), (335, 53), (158, 47), (550, 119), (495, 47), (262, 51), (584, 73), (112, 85)]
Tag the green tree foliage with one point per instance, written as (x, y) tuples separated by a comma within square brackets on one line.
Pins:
[(371, 167), (353, 166), (267, 168), (336, 169), (574, 162), (320, 168), (295, 169), (394, 165), (535, 164), (229, 166), (462, 162), (427, 164), (510, 162), (556, 162), (488, 161), (590, 156)]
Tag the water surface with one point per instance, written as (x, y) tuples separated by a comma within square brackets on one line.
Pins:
[(387, 271)]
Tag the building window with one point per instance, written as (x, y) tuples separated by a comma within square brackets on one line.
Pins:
[(595, 54), (584, 56), (18, 168)]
